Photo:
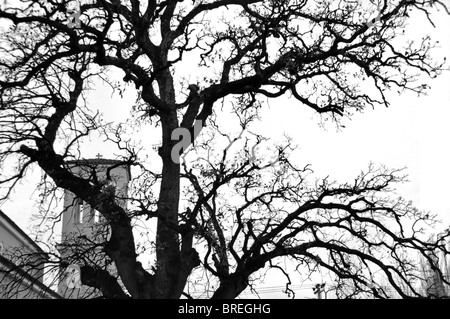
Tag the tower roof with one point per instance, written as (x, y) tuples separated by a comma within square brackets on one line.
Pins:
[(95, 161), (99, 162)]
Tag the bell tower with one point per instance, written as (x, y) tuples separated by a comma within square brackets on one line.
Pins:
[(83, 228)]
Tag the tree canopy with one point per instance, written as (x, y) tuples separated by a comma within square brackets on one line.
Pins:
[(220, 211)]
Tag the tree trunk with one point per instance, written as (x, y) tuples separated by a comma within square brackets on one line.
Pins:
[(231, 287), (167, 237)]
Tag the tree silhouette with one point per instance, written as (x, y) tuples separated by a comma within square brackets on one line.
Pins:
[(220, 214), (435, 271)]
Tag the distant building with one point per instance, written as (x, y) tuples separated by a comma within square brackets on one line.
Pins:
[(83, 226), (18, 281), (22, 261)]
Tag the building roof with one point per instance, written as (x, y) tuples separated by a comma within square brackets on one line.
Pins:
[(8, 267), (26, 278), (95, 161), (19, 233)]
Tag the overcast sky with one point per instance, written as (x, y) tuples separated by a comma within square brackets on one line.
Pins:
[(412, 133)]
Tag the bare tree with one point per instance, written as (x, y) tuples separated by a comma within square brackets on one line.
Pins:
[(435, 274), (221, 214)]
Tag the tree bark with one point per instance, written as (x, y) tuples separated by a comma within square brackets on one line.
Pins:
[(231, 287), (167, 235)]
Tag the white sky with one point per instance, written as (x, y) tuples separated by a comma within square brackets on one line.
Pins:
[(412, 133)]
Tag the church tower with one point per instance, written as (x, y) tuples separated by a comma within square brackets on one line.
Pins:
[(83, 228)]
